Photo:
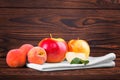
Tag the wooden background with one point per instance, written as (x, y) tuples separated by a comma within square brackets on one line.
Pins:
[(29, 21)]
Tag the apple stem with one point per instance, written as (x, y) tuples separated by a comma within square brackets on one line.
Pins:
[(50, 35)]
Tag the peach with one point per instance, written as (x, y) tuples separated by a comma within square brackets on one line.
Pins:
[(15, 58), (26, 48), (37, 55)]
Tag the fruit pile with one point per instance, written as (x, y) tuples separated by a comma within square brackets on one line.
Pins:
[(51, 50)]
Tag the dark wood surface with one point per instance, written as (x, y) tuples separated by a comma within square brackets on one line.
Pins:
[(29, 21), (7, 73), (61, 4)]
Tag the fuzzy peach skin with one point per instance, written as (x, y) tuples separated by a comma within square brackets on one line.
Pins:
[(37, 55), (26, 48), (15, 58)]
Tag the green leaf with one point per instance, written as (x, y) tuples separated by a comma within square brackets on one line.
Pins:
[(75, 61), (79, 61), (86, 62)]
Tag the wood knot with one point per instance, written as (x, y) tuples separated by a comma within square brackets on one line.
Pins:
[(89, 21)]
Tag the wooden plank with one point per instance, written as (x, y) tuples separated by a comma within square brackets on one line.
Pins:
[(99, 4), (85, 74), (101, 28)]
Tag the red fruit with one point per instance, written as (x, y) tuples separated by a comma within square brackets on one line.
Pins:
[(56, 49)]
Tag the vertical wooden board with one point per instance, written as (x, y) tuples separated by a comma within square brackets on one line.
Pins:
[(99, 27)]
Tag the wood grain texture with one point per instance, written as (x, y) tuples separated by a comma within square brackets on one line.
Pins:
[(101, 28), (84, 74), (29, 21), (61, 4)]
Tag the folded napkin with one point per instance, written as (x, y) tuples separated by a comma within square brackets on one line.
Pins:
[(94, 62)]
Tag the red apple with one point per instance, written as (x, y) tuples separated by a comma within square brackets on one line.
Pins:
[(37, 55), (15, 58), (56, 49)]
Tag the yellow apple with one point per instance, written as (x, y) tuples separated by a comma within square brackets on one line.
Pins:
[(79, 46)]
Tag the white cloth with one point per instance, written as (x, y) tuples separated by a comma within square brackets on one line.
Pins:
[(94, 62)]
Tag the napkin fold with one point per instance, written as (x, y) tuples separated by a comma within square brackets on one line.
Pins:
[(94, 62)]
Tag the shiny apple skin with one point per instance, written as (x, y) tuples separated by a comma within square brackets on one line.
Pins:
[(55, 49)]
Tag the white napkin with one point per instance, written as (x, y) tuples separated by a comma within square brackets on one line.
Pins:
[(94, 62)]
